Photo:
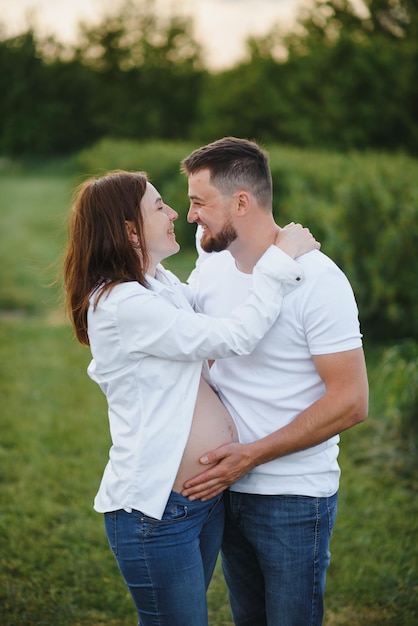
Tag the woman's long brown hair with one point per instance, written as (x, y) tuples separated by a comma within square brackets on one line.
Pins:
[(99, 254)]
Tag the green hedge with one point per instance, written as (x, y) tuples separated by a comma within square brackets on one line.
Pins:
[(362, 207), (364, 210), (398, 379)]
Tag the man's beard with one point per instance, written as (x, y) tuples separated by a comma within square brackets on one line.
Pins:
[(219, 242)]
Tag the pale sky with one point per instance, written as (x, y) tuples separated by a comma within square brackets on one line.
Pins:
[(221, 26)]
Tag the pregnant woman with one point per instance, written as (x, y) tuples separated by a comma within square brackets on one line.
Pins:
[(149, 351)]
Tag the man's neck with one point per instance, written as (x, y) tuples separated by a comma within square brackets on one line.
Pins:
[(249, 247)]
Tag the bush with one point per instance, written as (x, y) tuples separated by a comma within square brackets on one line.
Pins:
[(399, 382), (364, 210)]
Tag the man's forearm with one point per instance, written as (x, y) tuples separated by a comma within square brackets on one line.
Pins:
[(324, 419)]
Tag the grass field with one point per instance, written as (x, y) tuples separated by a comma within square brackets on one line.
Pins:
[(55, 565)]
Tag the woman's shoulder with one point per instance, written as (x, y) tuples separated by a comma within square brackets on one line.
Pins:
[(118, 293), (125, 291)]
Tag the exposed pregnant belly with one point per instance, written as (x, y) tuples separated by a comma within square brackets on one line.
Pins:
[(212, 426)]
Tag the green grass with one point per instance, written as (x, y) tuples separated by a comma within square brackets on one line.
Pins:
[(55, 566), (373, 577)]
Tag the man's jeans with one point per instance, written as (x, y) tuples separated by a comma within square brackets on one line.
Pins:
[(168, 564), (275, 555)]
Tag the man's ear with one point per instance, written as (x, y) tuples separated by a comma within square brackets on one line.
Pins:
[(243, 203)]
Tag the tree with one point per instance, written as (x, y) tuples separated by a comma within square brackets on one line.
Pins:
[(149, 72), (348, 80), (366, 65), (46, 105), (344, 78), (132, 75)]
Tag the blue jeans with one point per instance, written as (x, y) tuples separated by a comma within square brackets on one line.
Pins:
[(275, 554), (167, 564)]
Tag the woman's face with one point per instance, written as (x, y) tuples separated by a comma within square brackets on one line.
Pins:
[(158, 220)]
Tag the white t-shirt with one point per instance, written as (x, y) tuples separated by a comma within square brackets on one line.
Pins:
[(267, 389), (148, 346)]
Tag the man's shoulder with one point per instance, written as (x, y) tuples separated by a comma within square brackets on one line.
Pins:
[(324, 280), (317, 263)]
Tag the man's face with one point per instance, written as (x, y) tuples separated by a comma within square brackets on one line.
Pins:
[(212, 211)]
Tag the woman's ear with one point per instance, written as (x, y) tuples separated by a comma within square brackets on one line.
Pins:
[(132, 235), (131, 232)]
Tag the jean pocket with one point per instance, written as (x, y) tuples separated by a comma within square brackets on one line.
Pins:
[(174, 513)]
